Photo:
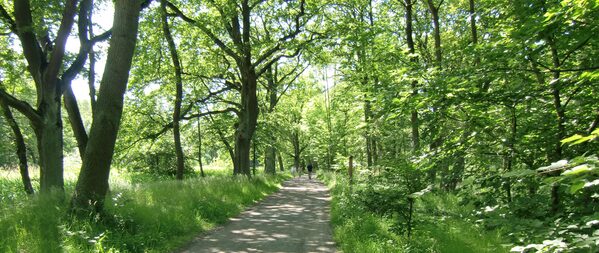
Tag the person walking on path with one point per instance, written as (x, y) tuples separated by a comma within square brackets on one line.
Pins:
[(310, 167)]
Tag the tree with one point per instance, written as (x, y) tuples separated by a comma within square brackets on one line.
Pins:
[(179, 93), (92, 184), (20, 148), (44, 68), (251, 55)]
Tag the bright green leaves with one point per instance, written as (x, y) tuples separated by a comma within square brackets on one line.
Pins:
[(578, 139), (578, 170)]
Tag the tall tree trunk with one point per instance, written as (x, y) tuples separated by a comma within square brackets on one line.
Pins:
[(561, 118), (473, 30), (281, 165), (269, 163), (248, 116), (437, 139), (179, 91), (50, 142), (434, 10), (92, 65), (200, 146), (296, 151), (408, 5), (21, 148), (92, 184), (559, 108)]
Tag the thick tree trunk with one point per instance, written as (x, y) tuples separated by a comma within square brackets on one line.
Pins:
[(269, 163), (21, 148), (248, 116), (92, 184), (178, 94), (50, 143)]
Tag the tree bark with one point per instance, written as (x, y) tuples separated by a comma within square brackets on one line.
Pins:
[(179, 91), (248, 116), (21, 148), (92, 184)]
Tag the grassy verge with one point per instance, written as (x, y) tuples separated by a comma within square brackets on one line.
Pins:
[(440, 225), (151, 217)]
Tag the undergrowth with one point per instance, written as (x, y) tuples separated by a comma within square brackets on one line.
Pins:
[(439, 224), (143, 217)]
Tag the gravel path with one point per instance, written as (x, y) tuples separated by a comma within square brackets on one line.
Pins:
[(295, 219)]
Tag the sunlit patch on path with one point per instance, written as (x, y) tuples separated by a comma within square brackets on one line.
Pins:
[(295, 219)]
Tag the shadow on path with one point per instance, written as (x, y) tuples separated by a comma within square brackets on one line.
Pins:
[(295, 219)]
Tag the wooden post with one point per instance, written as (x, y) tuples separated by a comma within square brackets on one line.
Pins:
[(350, 169)]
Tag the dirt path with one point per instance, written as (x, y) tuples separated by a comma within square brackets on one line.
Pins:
[(295, 219)]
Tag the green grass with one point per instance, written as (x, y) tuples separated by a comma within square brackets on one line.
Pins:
[(440, 225), (143, 217), (354, 229)]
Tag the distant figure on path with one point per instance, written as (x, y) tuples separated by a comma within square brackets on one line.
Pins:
[(310, 167)]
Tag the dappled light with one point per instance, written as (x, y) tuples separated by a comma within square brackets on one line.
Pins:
[(295, 219), (445, 126)]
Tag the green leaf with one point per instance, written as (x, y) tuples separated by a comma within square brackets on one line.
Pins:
[(576, 186), (584, 139), (572, 138), (577, 170), (518, 173)]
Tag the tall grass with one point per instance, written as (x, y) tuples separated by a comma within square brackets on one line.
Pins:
[(441, 224), (152, 217)]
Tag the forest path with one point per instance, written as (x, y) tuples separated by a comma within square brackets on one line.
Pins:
[(295, 219)]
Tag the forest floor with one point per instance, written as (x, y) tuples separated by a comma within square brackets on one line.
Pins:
[(295, 219)]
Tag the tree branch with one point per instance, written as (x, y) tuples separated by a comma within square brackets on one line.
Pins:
[(31, 49), (195, 115), (21, 106), (55, 62), (205, 30)]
